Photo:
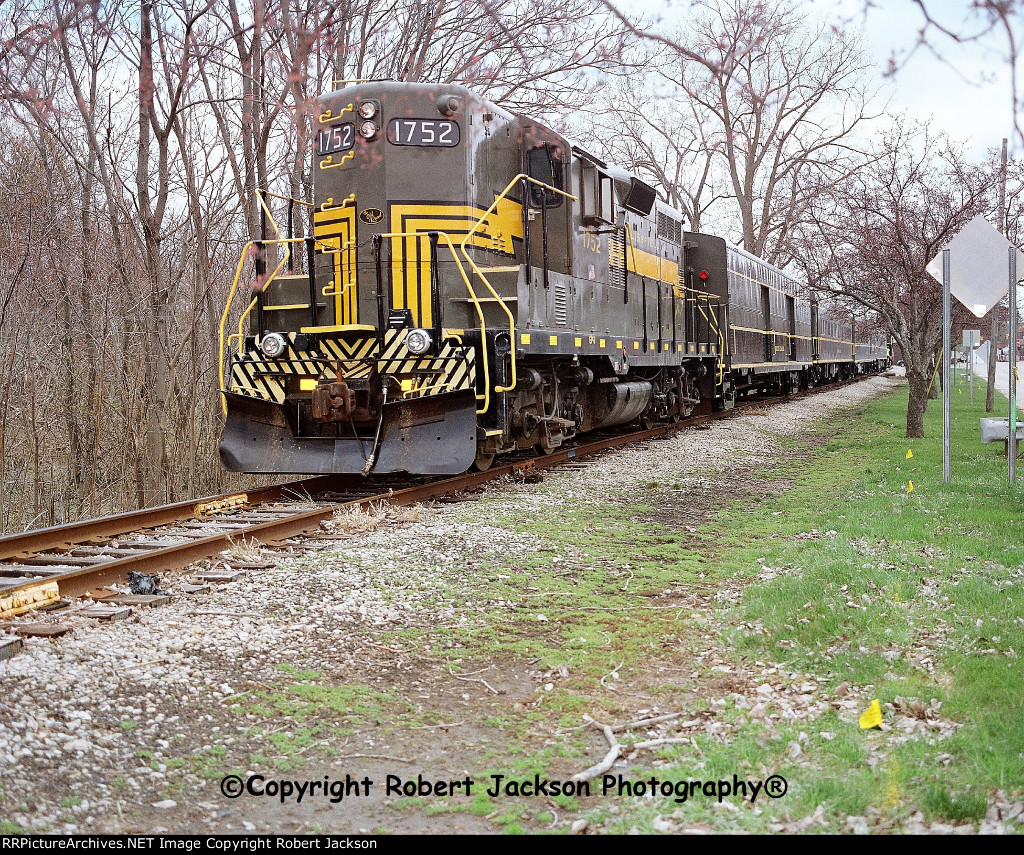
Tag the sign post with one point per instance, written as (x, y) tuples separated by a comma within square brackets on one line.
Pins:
[(946, 353), (972, 338), (1011, 446), (975, 278)]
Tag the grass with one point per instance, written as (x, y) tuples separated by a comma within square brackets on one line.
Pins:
[(899, 593), (834, 572), (845, 575), (925, 585)]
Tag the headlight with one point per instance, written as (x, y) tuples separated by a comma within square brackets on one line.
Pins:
[(367, 109), (418, 341), (367, 129), (273, 345)]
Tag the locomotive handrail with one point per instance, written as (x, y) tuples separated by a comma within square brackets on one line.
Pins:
[(328, 162), (234, 288), (266, 283), (486, 397), (511, 319), (326, 249), (328, 116), (713, 324), (287, 199), (628, 229)]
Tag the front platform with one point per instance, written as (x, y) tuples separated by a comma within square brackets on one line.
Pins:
[(431, 435)]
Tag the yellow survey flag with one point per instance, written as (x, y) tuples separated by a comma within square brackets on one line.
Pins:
[(910, 487), (910, 453), (872, 716)]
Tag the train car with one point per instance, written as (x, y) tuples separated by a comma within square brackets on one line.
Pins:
[(778, 340), (473, 284)]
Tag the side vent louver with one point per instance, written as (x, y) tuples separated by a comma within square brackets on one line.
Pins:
[(561, 303), (669, 229)]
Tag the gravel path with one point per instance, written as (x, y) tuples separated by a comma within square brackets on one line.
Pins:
[(129, 726)]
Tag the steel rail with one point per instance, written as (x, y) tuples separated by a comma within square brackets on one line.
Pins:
[(80, 581), (67, 535)]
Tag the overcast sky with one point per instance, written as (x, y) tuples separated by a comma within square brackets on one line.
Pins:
[(966, 88)]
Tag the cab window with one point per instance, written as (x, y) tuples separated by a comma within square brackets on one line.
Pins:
[(598, 200), (543, 164)]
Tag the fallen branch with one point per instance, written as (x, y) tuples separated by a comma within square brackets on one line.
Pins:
[(613, 673), (475, 679), (609, 758), (629, 725), (616, 748), (654, 743)]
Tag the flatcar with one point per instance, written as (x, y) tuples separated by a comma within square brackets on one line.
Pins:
[(471, 284)]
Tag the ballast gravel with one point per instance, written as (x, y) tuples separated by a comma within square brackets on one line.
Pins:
[(93, 725)]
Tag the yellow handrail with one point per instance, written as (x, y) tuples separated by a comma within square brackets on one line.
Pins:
[(287, 199), (224, 316), (326, 249), (328, 116), (501, 302), (234, 289), (266, 282), (714, 326), (485, 398), (328, 162)]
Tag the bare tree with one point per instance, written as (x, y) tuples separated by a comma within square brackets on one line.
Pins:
[(875, 234), (984, 22), (780, 101), (659, 137), (535, 56)]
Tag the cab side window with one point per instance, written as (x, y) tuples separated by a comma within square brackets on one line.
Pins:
[(597, 199), (543, 164)]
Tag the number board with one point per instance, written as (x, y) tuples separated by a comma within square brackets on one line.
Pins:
[(430, 132), (337, 138)]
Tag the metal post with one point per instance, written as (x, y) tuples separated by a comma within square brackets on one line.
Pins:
[(946, 351), (1011, 445), (970, 365)]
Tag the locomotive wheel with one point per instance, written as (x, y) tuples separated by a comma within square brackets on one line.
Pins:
[(483, 461)]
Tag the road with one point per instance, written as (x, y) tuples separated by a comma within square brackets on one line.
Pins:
[(1002, 377)]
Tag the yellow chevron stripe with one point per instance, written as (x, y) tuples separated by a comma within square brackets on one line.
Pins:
[(335, 229), (410, 256)]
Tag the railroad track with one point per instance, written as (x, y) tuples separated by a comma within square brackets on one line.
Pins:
[(45, 568)]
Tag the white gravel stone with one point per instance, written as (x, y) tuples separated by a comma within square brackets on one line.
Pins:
[(87, 714)]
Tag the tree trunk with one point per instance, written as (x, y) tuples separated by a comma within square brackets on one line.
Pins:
[(917, 404), (993, 354)]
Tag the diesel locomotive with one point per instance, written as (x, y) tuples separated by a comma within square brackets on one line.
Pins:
[(471, 283)]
